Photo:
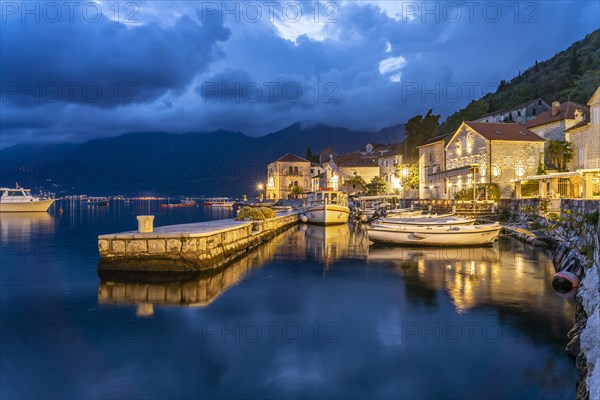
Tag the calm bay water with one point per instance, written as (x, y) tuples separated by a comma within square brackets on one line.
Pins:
[(316, 313)]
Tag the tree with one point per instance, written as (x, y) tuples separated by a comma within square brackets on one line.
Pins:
[(560, 153), (574, 65), (541, 170), (418, 130), (377, 186), (309, 154), (408, 175), (296, 191), (357, 183)]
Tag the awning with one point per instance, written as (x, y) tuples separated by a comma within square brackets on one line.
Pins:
[(557, 175)]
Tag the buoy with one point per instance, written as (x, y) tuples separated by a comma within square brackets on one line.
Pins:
[(564, 281), (303, 218)]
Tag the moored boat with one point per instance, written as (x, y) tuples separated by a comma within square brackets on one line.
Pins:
[(218, 202), (21, 200), (327, 208), (425, 221), (464, 235)]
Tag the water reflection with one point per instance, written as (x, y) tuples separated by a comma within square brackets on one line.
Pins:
[(145, 290), (510, 278), (328, 244), (19, 227)]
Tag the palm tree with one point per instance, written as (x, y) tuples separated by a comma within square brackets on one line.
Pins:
[(560, 153)]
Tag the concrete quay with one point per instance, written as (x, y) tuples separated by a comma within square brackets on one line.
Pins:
[(188, 247)]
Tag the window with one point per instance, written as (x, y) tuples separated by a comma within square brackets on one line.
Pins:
[(431, 157), (291, 170), (519, 113), (296, 170)]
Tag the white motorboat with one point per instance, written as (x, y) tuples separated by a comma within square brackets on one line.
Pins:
[(425, 221), (218, 202), (327, 208), (21, 200), (464, 235)]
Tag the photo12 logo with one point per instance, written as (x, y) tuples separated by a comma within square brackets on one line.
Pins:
[(70, 92), (269, 92), (68, 11), (468, 11), (269, 332), (253, 12)]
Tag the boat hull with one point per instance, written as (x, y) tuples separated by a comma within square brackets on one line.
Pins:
[(329, 214), (228, 204), (424, 222), (31, 206), (435, 236)]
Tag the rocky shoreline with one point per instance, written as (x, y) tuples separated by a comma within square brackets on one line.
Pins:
[(576, 240)]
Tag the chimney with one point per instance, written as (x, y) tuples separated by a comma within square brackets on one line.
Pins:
[(579, 116), (555, 108)]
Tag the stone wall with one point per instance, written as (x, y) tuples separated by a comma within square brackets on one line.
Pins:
[(578, 251), (512, 160), (186, 251)]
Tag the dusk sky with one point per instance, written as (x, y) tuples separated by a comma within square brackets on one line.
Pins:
[(75, 71)]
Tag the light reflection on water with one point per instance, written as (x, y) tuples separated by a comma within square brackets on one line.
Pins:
[(373, 322)]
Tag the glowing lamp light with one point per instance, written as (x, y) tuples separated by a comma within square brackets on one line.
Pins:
[(496, 171), (520, 171)]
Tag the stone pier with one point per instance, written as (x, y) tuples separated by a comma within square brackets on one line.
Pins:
[(188, 247)]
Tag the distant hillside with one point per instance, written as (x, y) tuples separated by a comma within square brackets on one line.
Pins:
[(573, 74), (223, 162)]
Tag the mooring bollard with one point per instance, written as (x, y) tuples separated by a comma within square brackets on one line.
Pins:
[(145, 223)]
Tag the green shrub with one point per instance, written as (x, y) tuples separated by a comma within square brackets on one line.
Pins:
[(255, 214), (250, 212), (529, 188), (464, 194), (268, 212), (493, 190)]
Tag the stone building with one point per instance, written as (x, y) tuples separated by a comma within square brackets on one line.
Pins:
[(356, 164), (585, 136), (432, 160), (388, 156), (285, 173), (552, 124), (520, 113), (479, 153)]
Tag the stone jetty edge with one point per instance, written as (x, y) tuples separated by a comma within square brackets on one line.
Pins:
[(199, 246)]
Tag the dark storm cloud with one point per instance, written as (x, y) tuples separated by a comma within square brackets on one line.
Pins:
[(368, 67), (102, 63)]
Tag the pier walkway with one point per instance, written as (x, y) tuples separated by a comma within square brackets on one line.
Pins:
[(188, 247)]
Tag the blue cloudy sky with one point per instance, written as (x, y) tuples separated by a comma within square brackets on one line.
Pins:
[(72, 71)]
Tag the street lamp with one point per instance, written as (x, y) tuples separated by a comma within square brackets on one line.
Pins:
[(260, 188)]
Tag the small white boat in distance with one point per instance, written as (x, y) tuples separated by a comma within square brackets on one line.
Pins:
[(327, 208), (466, 235), (21, 200), (218, 202)]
